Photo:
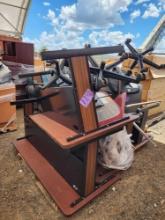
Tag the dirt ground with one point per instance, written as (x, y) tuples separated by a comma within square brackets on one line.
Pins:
[(139, 195)]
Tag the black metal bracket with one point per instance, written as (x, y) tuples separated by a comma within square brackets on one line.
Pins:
[(32, 100), (58, 54), (97, 129), (25, 75)]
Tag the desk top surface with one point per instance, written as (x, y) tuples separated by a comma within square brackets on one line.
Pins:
[(60, 133)]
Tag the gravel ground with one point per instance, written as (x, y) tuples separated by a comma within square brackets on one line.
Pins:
[(139, 195)]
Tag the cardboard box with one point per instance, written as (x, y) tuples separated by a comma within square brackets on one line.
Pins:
[(7, 111)]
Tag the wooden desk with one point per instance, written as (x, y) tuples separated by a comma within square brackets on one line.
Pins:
[(60, 133)]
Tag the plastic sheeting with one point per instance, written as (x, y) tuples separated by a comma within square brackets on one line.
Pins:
[(12, 17), (5, 73), (19, 68)]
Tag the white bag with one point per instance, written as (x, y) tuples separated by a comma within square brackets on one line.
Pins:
[(116, 151)]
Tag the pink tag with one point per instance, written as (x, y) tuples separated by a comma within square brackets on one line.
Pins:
[(86, 98)]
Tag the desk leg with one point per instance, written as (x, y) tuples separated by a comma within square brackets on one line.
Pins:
[(81, 76), (90, 168)]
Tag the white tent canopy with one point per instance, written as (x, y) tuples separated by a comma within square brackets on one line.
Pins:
[(12, 17), (156, 38)]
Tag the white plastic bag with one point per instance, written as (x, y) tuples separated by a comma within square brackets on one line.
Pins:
[(116, 151)]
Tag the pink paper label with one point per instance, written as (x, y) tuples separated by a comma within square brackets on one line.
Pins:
[(86, 98)]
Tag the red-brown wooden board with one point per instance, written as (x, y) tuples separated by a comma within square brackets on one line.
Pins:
[(59, 133), (61, 192)]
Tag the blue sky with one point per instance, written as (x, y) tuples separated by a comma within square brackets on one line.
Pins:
[(57, 24)]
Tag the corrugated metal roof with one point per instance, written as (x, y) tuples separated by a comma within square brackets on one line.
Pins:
[(12, 17)]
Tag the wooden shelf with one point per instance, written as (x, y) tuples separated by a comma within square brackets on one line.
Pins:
[(60, 133)]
